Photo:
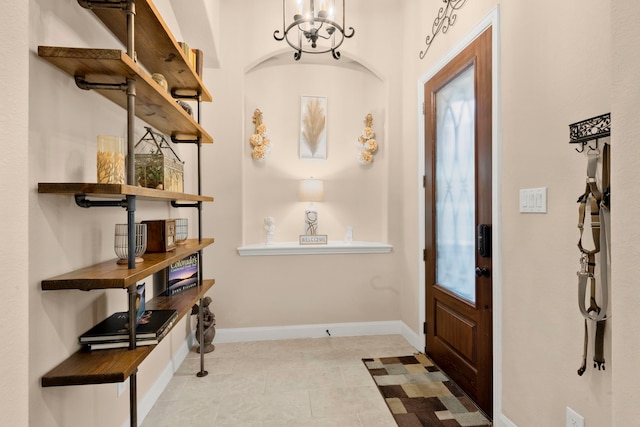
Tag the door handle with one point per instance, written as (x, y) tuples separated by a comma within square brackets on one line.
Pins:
[(482, 272)]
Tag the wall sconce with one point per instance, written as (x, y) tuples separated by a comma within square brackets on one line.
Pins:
[(260, 144), (366, 142), (311, 190)]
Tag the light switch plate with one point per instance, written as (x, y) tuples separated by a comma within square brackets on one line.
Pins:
[(574, 419), (533, 200)]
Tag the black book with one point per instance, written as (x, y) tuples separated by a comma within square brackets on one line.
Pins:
[(152, 325)]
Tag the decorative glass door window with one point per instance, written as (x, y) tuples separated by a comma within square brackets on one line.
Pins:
[(455, 186)]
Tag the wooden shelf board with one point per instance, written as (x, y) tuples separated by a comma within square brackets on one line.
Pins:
[(110, 275), (181, 302), (156, 47), (116, 365), (112, 66), (117, 191)]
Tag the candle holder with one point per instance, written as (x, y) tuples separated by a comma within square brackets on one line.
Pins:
[(111, 160), (121, 245)]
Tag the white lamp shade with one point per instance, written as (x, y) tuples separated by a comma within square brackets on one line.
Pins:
[(311, 190)]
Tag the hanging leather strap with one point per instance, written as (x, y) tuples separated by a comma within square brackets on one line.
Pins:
[(605, 259), (592, 200)]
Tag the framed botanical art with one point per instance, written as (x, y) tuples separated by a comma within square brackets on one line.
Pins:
[(313, 128)]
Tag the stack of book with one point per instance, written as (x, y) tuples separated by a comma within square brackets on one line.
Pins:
[(113, 332), (195, 57)]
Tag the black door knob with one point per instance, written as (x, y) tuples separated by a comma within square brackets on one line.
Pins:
[(482, 272)]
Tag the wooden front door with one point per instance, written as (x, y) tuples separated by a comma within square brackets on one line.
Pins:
[(458, 220)]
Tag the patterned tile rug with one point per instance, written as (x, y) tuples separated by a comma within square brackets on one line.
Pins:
[(418, 394)]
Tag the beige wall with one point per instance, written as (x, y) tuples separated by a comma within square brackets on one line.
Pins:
[(549, 80), (626, 158), (14, 211)]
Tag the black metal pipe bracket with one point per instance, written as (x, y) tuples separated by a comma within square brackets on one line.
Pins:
[(85, 85), (103, 4), (83, 202), (186, 205), (180, 95), (177, 140)]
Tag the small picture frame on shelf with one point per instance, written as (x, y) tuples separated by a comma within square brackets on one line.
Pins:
[(315, 239)]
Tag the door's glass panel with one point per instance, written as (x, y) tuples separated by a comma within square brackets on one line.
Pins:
[(455, 186)]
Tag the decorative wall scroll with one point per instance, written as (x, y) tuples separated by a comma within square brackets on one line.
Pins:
[(313, 128), (260, 144), (366, 142), (446, 18)]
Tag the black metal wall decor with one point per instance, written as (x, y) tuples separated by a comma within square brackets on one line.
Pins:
[(592, 129), (446, 18)]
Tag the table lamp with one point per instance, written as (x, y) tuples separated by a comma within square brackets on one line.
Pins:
[(311, 190)]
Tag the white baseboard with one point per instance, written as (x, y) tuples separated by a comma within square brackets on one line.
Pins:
[(317, 331), (503, 421), (414, 339)]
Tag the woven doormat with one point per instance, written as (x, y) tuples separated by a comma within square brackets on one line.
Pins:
[(418, 394)]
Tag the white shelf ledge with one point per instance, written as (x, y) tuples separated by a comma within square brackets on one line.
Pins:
[(333, 247)]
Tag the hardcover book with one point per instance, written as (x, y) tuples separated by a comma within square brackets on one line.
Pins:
[(140, 302), (182, 275), (152, 326), (119, 344)]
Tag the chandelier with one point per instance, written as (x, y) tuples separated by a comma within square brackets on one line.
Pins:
[(318, 24)]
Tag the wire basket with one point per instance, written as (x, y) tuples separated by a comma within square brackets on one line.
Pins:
[(121, 244)]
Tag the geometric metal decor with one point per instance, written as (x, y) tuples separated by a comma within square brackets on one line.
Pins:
[(589, 130), (446, 18)]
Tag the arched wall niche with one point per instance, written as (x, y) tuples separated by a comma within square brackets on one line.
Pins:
[(284, 56), (355, 193)]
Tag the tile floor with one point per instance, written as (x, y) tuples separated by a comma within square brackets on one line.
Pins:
[(313, 382)]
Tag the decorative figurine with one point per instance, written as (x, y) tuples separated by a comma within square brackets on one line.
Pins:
[(208, 323), (270, 228), (348, 237)]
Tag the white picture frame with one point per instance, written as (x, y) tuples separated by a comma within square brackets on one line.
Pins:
[(313, 128)]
